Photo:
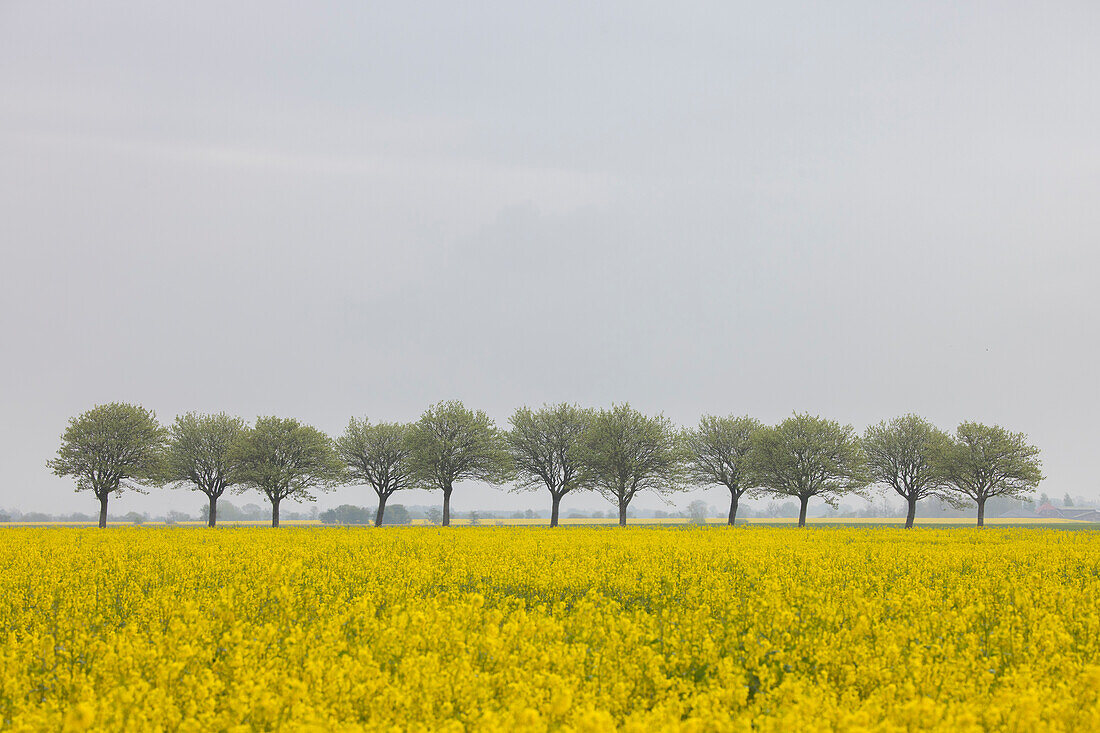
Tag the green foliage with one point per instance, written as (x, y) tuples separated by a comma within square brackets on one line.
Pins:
[(624, 452), (986, 461), (347, 514), (378, 455), (909, 455), (398, 514), (111, 447), (718, 452), (198, 453), (228, 511), (546, 451), (697, 512), (282, 458), (806, 456), (451, 443)]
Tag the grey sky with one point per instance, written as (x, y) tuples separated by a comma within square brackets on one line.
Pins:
[(855, 209)]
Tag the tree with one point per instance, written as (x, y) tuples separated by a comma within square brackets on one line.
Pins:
[(718, 453), (398, 515), (907, 454), (346, 514), (198, 455), (378, 455), (624, 452), (450, 444), (545, 447), (806, 456), (284, 459), (985, 461), (110, 448), (1066, 500), (434, 515), (228, 511), (697, 512)]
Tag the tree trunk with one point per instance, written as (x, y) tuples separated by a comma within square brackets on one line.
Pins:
[(275, 512), (802, 510), (733, 509), (622, 512), (103, 509), (447, 505), (912, 512), (213, 518), (555, 502), (381, 510), (981, 512)]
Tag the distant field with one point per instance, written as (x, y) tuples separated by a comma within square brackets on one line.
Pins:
[(524, 629), (670, 521), (947, 521)]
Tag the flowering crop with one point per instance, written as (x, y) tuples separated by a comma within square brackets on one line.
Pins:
[(523, 628)]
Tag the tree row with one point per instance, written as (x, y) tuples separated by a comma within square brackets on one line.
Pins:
[(560, 449)]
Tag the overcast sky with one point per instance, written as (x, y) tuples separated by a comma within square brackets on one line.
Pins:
[(856, 209)]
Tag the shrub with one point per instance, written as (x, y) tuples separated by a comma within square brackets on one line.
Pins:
[(349, 514), (396, 514)]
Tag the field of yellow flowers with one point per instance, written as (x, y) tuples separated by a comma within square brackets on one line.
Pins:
[(527, 628)]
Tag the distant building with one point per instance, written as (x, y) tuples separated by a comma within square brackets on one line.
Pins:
[(1046, 509), (1082, 515)]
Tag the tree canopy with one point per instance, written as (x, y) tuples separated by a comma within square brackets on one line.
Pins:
[(451, 443), (379, 455), (624, 452), (284, 459), (718, 452), (985, 461), (806, 456), (562, 448), (546, 450), (198, 455), (909, 455), (110, 448)]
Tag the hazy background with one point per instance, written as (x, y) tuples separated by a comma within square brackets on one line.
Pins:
[(857, 209)]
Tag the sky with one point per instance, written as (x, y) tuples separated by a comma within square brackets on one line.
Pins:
[(855, 209)]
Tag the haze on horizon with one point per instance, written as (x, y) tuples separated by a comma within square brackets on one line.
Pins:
[(854, 209)]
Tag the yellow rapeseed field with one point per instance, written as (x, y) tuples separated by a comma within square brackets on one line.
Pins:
[(528, 628)]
